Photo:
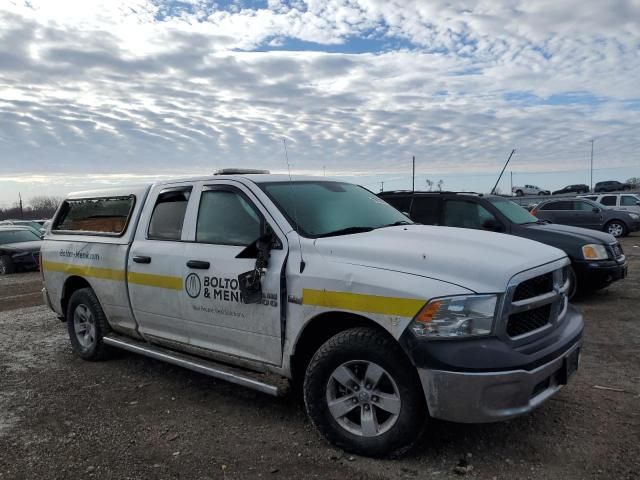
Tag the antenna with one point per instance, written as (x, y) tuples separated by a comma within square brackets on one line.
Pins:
[(493, 190), (295, 208)]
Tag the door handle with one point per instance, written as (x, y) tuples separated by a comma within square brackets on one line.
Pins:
[(199, 264), (142, 259)]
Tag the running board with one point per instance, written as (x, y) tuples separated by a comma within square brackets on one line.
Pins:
[(207, 367)]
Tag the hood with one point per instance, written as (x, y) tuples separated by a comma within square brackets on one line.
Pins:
[(548, 231), (33, 246), (473, 259)]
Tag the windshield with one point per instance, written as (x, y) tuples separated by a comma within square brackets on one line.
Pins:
[(17, 236), (325, 208), (514, 212)]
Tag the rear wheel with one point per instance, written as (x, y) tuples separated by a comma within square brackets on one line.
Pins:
[(519, 193), (363, 395), (87, 324), (6, 265), (616, 228)]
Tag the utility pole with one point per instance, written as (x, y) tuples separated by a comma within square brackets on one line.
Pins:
[(493, 190), (413, 177), (511, 182), (21, 212), (382, 186), (591, 185), (324, 170)]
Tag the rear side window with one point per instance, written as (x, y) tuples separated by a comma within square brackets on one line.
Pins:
[(399, 203), (168, 214), (226, 217), (101, 216), (465, 214), (583, 206), (609, 200), (558, 206), (426, 210)]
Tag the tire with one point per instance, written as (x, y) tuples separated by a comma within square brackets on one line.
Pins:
[(626, 189), (616, 228), (519, 193), (542, 194), (6, 265), (367, 428), (84, 309)]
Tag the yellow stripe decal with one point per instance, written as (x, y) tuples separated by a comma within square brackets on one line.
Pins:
[(160, 281), (84, 270), (403, 307), (146, 279)]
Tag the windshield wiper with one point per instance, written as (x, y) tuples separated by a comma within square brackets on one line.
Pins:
[(346, 231), (396, 224)]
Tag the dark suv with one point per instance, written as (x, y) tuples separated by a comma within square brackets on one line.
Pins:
[(611, 186), (597, 258), (579, 188)]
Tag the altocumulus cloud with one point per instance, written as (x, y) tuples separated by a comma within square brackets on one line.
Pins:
[(159, 87)]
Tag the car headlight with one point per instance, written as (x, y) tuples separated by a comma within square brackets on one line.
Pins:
[(594, 252), (454, 317), (634, 216)]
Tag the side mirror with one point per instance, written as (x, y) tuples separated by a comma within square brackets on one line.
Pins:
[(638, 204), (249, 283), (596, 210), (493, 225)]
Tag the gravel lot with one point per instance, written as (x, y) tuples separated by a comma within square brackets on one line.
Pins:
[(132, 417)]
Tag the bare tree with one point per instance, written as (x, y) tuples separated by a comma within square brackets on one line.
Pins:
[(429, 184), (439, 184), (45, 205), (635, 181)]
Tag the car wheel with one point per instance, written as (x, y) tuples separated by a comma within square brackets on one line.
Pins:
[(519, 193), (87, 324), (616, 228), (6, 265), (363, 395)]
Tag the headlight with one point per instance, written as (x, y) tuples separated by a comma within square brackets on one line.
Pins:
[(634, 216), (461, 316), (594, 252)]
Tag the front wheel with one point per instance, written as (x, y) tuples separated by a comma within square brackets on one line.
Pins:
[(616, 228), (573, 283), (363, 395), (6, 265), (87, 324)]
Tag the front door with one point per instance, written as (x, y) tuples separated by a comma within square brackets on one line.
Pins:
[(587, 215), (227, 221)]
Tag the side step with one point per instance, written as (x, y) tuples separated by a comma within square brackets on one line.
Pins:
[(207, 367)]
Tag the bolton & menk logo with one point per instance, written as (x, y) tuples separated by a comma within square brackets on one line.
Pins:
[(193, 285)]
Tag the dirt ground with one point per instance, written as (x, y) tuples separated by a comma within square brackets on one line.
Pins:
[(132, 417)]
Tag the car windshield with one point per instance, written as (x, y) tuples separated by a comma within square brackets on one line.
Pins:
[(17, 236), (326, 208), (514, 212)]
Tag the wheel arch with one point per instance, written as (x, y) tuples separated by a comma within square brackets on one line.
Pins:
[(71, 285), (318, 330)]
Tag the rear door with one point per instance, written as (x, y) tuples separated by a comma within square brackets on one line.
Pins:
[(426, 209), (557, 212), (155, 264), (227, 219)]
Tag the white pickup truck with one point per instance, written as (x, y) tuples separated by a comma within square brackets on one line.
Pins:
[(258, 278)]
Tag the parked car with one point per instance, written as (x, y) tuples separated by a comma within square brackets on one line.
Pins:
[(628, 202), (578, 188), (529, 190), (584, 213), (19, 249), (612, 186), (383, 323), (35, 226), (597, 258)]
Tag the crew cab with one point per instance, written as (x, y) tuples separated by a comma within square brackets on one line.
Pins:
[(597, 259), (258, 278)]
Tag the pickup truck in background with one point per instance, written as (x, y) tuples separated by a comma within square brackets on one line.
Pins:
[(529, 190), (257, 278)]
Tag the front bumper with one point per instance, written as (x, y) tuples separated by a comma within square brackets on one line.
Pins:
[(468, 397), (595, 274)]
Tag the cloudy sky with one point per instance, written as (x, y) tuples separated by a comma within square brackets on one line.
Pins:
[(103, 91)]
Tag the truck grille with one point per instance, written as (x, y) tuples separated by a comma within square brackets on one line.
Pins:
[(532, 304), (525, 322), (617, 250)]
